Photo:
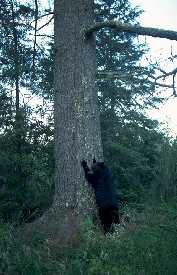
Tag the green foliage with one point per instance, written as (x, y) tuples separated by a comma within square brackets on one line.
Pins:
[(133, 150), (15, 47), (43, 84), (6, 114), (26, 172), (126, 87), (147, 245), (165, 186), (26, 184), (18, 258), (131, 141)]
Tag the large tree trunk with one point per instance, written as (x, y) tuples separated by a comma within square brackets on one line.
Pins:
[(77, 126)]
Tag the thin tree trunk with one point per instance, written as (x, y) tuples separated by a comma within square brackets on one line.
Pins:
[(16, 62), (18, 115)]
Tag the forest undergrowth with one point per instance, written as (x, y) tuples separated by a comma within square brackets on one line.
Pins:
[(147, 244)]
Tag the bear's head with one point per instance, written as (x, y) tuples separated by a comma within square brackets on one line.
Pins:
[(97, 167)]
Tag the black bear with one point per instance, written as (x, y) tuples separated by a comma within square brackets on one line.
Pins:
[(101, 179)]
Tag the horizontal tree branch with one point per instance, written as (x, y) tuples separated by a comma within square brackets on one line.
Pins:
[(107, 75), (165, 74), (163, 85), (135, 29), (42, 35)]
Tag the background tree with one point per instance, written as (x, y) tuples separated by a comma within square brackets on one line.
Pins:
[(125, 91), (24, 141)]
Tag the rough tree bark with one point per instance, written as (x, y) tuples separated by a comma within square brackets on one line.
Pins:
[(77, 126)]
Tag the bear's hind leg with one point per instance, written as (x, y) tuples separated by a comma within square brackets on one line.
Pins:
[(106, 219)]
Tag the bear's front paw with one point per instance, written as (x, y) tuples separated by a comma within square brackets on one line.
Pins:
[(84, 163)]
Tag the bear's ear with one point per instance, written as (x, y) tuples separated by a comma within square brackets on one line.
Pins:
[(94, 160), (102, 164)]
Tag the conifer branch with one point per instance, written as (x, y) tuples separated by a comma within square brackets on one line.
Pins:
[(135, 29)]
